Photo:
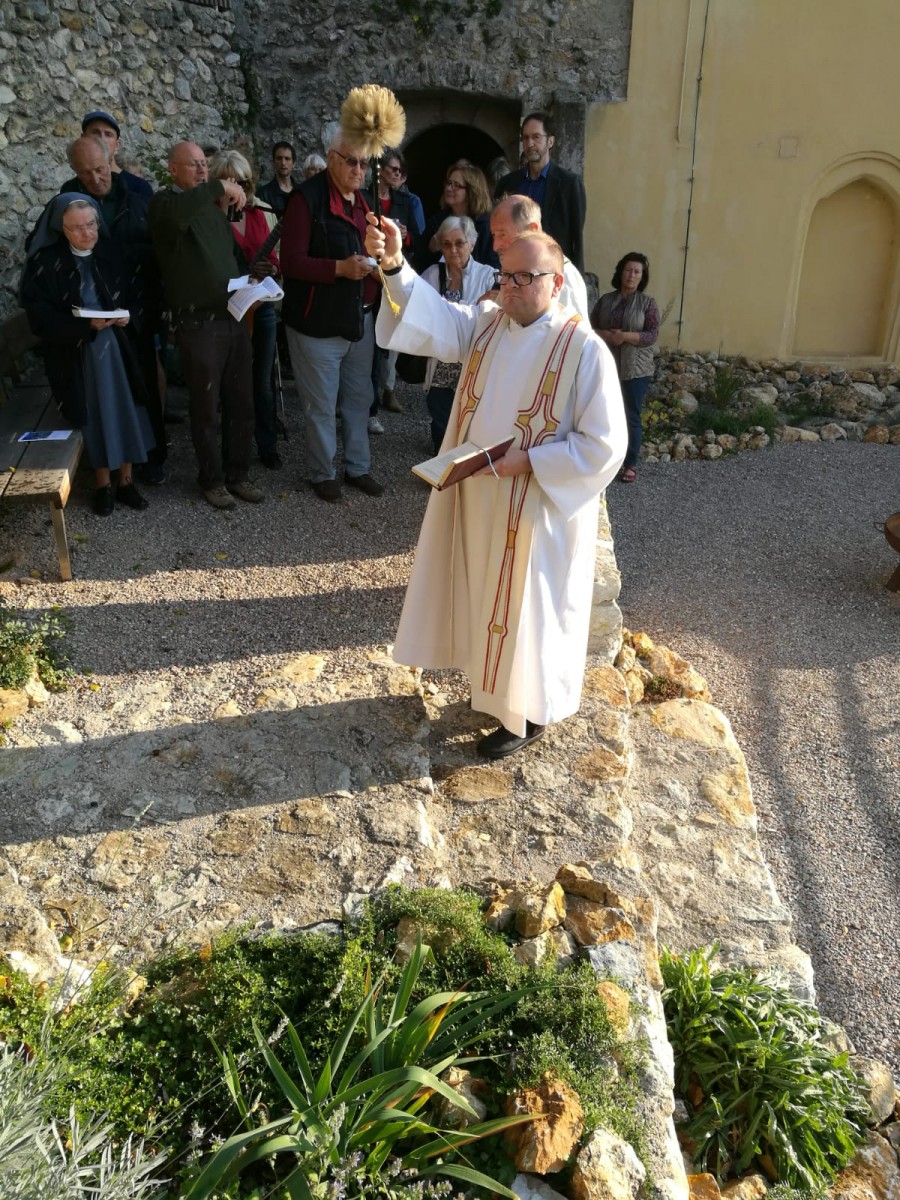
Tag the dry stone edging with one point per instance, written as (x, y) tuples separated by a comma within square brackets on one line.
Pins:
[(356, 782), (855, 405)]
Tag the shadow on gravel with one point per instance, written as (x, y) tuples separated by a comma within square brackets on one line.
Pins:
[(170, 774), (116, 639)]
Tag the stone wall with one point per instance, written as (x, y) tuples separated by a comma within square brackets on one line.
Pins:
[(271, 69), (163, 68), (542, 53)]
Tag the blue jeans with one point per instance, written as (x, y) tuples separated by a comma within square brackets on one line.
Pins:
[(633, 393), (334, 375), (263, 366), (440, 402)]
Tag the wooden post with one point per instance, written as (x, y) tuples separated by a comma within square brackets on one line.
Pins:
[(57, 512)]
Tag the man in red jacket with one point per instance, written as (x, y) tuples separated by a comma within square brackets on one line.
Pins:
[(330, 289)]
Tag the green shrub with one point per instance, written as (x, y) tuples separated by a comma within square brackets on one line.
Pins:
[(752, 1067), (562, 1026), (734, 423), (726, 386), (152, 1064), (29, 643), (659, 420), (373, 1107)]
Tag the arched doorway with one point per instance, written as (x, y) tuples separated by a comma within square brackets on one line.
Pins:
[(444, 126), (848, 274), (431, 153)]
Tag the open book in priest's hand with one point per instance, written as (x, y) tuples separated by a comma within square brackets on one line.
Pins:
[(459, 462)]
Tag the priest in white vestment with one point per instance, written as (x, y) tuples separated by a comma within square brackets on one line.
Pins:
[(502, 583)]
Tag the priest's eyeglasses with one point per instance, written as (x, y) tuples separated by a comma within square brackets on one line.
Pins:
[(519, 278)]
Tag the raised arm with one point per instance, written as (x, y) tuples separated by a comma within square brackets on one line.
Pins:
[(426, 324)]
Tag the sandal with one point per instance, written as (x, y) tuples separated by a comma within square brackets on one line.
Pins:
[(628, 475)]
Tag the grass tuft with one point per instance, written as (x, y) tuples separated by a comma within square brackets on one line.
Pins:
[(760, 1084)]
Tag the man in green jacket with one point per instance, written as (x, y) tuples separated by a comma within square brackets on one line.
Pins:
[(197, 255)]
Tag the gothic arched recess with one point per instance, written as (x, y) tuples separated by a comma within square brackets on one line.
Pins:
[(847, 284)]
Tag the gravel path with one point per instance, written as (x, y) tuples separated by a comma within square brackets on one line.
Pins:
[(182, 589), (767, 571)]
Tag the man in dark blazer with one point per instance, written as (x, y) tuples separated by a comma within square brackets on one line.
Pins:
[(560, 193)]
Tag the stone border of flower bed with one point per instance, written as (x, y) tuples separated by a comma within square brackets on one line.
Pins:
[(816, 402)]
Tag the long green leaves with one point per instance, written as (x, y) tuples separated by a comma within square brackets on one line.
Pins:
[(372, 1107), (751, 1065)]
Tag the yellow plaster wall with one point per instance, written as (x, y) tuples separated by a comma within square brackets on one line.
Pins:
[(797, 100)]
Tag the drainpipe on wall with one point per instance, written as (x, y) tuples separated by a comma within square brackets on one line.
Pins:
[(687, 231)]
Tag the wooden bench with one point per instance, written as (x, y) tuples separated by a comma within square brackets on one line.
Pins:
[(38, 470)]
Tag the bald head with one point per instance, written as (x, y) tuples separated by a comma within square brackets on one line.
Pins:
[(187, 165), (90, 160), (512, 216)]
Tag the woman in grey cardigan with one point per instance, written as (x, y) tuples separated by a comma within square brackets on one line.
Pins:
[(628, 321)]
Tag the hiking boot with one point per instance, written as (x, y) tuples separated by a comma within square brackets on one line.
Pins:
[(245, 490), (389, 402), (218, 497)]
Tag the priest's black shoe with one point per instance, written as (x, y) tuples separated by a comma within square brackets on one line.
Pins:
[(502, 743)]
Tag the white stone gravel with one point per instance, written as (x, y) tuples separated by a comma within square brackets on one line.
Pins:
[(767, 571)]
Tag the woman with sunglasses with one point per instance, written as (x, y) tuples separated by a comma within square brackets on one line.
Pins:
[(465, 194), (251, 227)]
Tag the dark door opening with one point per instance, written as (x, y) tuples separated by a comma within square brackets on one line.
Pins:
[(432, 151)]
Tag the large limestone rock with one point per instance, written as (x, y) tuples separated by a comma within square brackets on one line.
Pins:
[(13, 704), (751, 1187), (873, 1175), (879, 1087), (540, 908), (25, 937), (880, 435), (546, 1145), (703, 1187), (698, 722), (529, 1187), (473, 785), (591, 923), (677, 670), (607, 1168), (764, 393)]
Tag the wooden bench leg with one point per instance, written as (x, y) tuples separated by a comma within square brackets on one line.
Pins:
[(57, 512)]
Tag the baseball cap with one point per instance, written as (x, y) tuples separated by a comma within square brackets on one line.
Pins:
[(100, 116)]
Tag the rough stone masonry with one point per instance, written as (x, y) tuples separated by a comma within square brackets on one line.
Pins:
[(269, 69)]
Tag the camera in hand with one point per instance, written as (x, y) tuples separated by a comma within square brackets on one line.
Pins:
[(234, 213)]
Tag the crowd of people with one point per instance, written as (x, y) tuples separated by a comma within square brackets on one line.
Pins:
[(166, 257), (487, 295)]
